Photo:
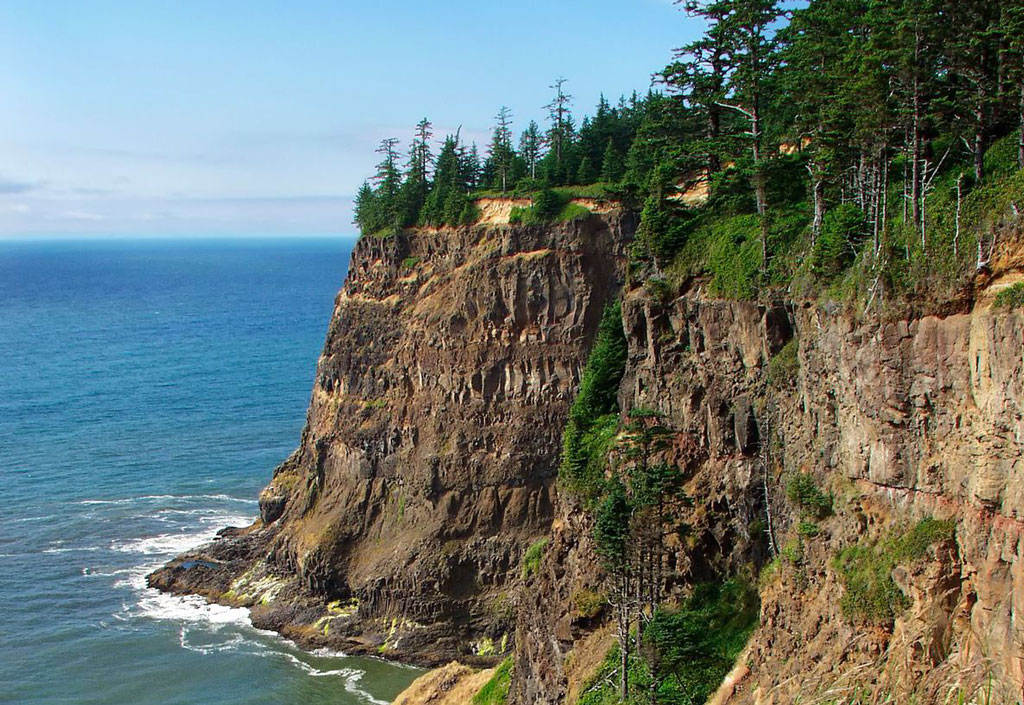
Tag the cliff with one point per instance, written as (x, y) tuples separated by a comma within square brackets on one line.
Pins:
[(428, 463), (429, 455), (905, 421)]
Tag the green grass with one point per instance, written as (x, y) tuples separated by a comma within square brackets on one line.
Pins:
[(1010, 298), (598, 191), (866, 571), (603, 687), (410, 262), (495, 691)]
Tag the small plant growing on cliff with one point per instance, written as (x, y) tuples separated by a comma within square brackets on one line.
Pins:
[(532, 557), (1010, 298), (495, 691), (410, 262), (588, 603), (803, 493), (784, 365)]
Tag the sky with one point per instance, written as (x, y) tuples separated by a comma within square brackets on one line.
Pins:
[(225, 117)]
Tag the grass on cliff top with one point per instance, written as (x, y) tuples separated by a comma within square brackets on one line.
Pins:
[(871, 594), (527, 189), (495, 691)]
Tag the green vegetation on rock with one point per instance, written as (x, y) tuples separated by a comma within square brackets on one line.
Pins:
[(1010, 297), (495, 691), (532, 557), (871, 594)]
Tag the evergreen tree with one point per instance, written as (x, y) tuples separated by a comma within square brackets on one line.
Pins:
[(699, 74), (501, 155), (560, 131), (585, 173), (417, 185), (530, 148), (387, 186), (612, 164)]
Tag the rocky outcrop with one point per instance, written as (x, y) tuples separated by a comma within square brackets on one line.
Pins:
[(429, 454)]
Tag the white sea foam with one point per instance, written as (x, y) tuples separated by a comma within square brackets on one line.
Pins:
[(179, 542), (173, 497), (204, 627), (72, 549), (351, 676)]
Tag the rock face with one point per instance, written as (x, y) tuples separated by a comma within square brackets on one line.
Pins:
[(431, 445), (900, 419), (429, 456)]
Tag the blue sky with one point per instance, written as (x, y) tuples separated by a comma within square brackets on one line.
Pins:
[(225, 117)]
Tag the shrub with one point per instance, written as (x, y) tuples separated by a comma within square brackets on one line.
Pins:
[(734, 256), (802, 491), (573, 212), (588, 603), (531, 559), (495, 691), (548, 204), (841, 234), (808, 529), (410, 262)]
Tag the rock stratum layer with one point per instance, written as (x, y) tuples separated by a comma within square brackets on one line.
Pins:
[(431, 445), (428, 462)]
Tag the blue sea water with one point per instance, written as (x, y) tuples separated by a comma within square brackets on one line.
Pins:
[(147, 390)]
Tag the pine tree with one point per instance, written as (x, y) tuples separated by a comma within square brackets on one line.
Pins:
[(585, 173), (500, 152), (612, 164), (366, 215), (700, 70), (560, 131), (387, 186), (417, 184), (530, 148)]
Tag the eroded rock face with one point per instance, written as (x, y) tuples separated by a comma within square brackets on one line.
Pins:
[(431, 444), (900, 420)]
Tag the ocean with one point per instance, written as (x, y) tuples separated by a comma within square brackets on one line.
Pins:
[(147, 390)]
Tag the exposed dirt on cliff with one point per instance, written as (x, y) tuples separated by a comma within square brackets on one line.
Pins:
[(452, 684)]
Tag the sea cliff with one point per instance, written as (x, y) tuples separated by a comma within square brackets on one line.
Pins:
[(428, 469)]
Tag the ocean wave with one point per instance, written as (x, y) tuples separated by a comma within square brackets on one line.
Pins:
[(165, 497), (72, 549), (351, 676), (174, 543)]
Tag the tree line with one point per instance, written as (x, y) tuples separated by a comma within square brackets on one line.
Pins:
[(833, 127)]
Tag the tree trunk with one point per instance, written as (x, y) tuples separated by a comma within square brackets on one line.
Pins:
[(818, 193), (1020, 138), (624, 646), (915, 159), (979, 139), (915, 136)]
